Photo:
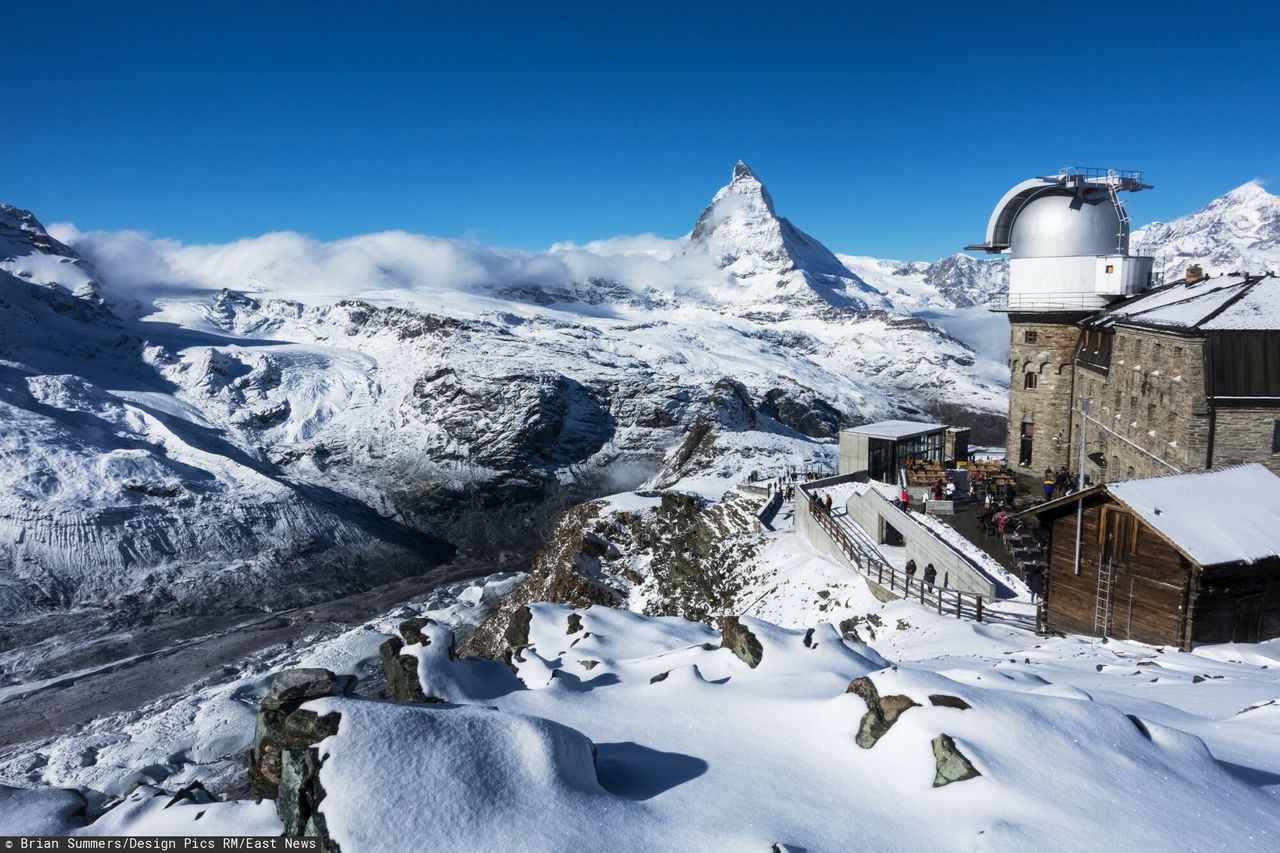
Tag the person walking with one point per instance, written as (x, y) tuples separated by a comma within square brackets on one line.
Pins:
[(930, 574), (1048, 484), (911, 568)]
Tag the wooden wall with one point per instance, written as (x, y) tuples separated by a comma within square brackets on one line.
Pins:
[(1221, 590), (1148, 589)]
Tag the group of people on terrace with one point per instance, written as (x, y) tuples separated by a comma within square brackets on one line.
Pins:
[(1061, 482)]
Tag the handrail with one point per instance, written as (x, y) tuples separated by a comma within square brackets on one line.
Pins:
[(968, 605)]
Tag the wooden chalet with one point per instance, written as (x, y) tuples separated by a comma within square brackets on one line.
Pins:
[(1181, 560)]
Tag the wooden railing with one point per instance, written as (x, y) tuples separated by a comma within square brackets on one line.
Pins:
[(965, 605)]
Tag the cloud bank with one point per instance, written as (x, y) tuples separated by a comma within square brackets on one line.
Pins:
[(390, 266)]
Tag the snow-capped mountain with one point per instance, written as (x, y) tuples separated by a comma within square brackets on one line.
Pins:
[(115, 493), (1236, 232), (769, 255), (229, 448), (956, 281)]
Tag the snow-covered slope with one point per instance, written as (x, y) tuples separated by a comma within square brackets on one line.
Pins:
[(115, 493), (1076, 745), (956, 281), (1236, 232), (223, 448)]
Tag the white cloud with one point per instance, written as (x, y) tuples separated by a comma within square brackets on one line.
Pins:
[(388, 266)]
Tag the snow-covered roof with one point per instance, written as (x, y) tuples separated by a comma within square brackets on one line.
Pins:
[(896, 430), (1221, 303), (1227, 516)]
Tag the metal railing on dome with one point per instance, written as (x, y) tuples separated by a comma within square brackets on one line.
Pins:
[(1074, 301), (1093, 174)]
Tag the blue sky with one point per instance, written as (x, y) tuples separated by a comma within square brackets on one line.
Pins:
[(886, 129)]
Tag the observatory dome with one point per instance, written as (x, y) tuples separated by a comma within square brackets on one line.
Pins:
[(1054, 225)]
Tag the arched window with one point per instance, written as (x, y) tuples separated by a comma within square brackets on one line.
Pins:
[(1029, 380)]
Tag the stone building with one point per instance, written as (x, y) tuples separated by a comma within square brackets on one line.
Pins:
[(1182, 377)]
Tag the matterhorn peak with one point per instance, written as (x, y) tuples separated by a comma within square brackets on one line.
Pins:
[(746, 238)]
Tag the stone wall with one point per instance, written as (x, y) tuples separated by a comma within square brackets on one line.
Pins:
[(1149, 415), (1245, 435), (871, 512), (1048, 405)]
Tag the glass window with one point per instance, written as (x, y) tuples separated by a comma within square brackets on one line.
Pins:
[(1029, 381)]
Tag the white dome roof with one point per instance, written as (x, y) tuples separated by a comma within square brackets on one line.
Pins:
[(1057, 224)]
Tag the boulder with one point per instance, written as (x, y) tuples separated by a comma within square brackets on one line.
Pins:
[(403, 684), (882, 711), (953, 766), (281, 724), (738, 639), (942, 700), (411, 630), (295, 686)]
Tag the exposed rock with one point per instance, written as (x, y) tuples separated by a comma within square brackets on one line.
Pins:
[(558, 575), (882, 711), (300, 791), (738, 639), (195, 793), (808, 639), (953, 766), (295, 686), (517, 634), (942, 700), (662, 676), (803, 411), (849, 630), (411, 630), (282, 725), (575, 623), (403, 684)]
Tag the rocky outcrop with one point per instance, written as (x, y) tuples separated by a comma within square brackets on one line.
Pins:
[(882, 711), (560, 574), (284, 763), (401, 670), (282, 725), (739, 639), (953, 766), (803, 411)]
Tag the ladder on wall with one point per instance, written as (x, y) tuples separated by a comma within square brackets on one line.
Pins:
[(1102, 603), (1121, 213)]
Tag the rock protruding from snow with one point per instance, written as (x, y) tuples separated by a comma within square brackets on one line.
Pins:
[(1237, 232), (882, 711), (953, 765), (282, 726), (739, 639)]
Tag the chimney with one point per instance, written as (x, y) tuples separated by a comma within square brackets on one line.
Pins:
[(1194, 273)]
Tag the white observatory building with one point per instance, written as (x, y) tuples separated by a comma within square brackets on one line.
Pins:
[(1067, 238)]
